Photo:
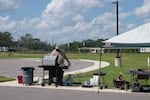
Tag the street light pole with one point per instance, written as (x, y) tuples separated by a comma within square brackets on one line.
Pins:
[(117, 24), (118, 58)]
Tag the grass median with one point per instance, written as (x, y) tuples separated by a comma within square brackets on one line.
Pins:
[(5, 79)]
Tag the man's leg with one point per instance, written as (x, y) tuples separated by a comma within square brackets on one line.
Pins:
[(60, 76), (52, 74)]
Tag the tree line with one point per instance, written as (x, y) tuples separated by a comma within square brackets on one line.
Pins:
[(24, 43), (28, 43)]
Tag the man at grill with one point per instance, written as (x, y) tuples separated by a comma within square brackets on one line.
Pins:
[(61, 63)]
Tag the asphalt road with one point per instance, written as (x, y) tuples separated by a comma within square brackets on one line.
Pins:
[(12, 67), (26, 93)]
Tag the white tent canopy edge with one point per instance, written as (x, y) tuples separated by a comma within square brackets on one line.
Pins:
[(135, 38)]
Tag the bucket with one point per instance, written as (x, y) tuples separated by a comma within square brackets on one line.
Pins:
[(20, 81)]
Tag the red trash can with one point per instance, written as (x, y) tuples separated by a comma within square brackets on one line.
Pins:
[(20, 81)]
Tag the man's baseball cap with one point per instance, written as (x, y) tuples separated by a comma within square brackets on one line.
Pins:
[(57, 46)]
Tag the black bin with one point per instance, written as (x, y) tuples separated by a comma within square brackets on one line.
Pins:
[(27, 73)]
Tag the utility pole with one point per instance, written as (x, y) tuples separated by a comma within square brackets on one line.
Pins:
[(118, 58), (117, 23)]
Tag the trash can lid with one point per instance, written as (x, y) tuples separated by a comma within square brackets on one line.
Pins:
[(26, 68)]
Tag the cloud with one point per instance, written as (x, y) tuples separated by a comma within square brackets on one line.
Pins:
[(63, 12), (42, 25), (68, 17), (78, 18), (103, 18), (130, 26), (21, 27), (7, 5), (89, 3), (144, 10), (6, 24), (124, 15), (4, 19)]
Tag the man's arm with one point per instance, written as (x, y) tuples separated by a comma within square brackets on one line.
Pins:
[(69, 64)]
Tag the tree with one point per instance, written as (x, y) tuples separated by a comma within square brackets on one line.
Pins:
[(30, 43), (89, 43), (5, 39), (26, 40)]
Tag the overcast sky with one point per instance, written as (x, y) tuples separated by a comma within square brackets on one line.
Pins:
[(63, 21)]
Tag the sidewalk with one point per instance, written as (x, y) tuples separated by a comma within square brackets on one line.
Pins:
[(93, 67), (95, 89)]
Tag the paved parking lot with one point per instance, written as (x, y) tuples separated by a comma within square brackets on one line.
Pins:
[(12, 67)]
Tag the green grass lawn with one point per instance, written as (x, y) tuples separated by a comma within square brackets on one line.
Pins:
[(129, 61), (5, 79)]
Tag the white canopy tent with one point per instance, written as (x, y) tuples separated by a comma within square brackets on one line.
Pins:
[(135, 38)]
